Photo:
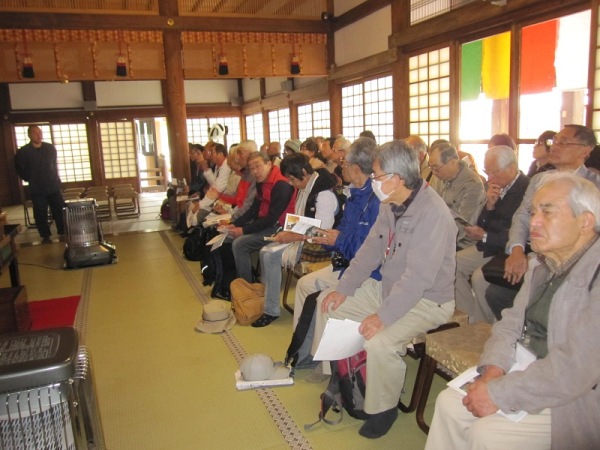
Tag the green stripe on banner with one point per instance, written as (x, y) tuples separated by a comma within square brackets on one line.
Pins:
[(470, 82)]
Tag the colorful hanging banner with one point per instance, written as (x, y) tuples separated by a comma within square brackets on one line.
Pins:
[(470, 73), (538, 49), (495, 67)]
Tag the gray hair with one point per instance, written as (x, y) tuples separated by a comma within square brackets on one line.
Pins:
[(583, 195), (399, 158), (362, 153), (504, 155), (247, 146), (417, 143), (344, 143), (447, 151)]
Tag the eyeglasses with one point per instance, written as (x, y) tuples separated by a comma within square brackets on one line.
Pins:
[(558, 143), (376, 177), (547, 142), (437, 166), (492, 172)]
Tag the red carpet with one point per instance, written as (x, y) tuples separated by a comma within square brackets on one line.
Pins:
[(58, 312)]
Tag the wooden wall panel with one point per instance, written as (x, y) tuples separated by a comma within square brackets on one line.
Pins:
[(44, 63), (8, 62), (198, 61), (105, 60), (282, 60), (313, 59), (74, 61), (147, 61), (259, 60)]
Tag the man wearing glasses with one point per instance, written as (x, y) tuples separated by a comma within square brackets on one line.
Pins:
[(568, 152), (414, 242), (461, 188)]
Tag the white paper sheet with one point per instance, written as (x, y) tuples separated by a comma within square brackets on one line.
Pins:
[(340, 340)]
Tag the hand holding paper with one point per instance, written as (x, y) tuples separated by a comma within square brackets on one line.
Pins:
[(340, 340)]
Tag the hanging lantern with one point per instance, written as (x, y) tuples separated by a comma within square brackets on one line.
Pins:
[(295, 66), (223, 67), (27, 69), (121, 60), (121, 66)]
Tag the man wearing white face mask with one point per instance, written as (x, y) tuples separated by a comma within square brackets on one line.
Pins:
[(414, 241)]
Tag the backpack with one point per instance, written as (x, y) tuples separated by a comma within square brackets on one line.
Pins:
[(222, 262), (298, 353), (165, 210), (247, 300), (194, 244), (346, 389)]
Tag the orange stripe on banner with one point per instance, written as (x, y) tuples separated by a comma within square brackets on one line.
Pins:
[(538, 50)]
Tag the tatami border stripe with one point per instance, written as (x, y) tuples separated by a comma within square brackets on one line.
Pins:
[(286, 425)]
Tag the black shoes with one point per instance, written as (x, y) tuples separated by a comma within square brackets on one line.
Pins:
[(264, 320), (379, 424)]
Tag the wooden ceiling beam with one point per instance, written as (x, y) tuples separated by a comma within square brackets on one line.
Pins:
[(47, 21)]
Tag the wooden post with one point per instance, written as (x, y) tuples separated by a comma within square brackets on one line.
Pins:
[(174, 96)]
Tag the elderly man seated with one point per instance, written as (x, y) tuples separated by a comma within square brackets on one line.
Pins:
[(506, 187), (460, 187), (315, 199), (555, 317), (414, 242)]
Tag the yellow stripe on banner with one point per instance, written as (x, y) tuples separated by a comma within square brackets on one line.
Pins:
[(495, 66)]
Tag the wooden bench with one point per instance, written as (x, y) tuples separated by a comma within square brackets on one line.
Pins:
[(449, 353)]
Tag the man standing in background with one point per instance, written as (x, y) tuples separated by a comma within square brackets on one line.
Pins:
[(36, 163)]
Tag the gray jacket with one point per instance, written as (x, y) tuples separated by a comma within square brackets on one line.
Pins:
[(519, 229), (421, 260), (566, 379), (465, 195)]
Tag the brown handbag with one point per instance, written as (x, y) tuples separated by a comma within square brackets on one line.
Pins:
[(248, 300)]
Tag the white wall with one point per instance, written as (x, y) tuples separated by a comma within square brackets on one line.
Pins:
[(128, 93), (273, 84), (32, 96), (365, 38), (210, 91), (251, 88)]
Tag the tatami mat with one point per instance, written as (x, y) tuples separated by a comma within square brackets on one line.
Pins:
[(161, 385)]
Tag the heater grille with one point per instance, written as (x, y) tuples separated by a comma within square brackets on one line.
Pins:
[(47, 395), (36, 419), (82, 226)]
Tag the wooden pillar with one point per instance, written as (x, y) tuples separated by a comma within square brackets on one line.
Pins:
[(13, 192), (174, 96), (400, 92), (335, 108)]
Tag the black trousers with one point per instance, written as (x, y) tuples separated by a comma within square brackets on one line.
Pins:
[(41, 202)]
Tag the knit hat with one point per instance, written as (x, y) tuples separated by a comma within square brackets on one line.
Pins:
[(293, 144)]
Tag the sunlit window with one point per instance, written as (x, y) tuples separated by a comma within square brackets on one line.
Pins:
[(254, 128), (70, 140), (368, 106), (198, 128), (429, 95), (118, 149), (279, 125), (313, 120)]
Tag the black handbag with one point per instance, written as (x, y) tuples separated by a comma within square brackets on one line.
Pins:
[(493, 272)]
